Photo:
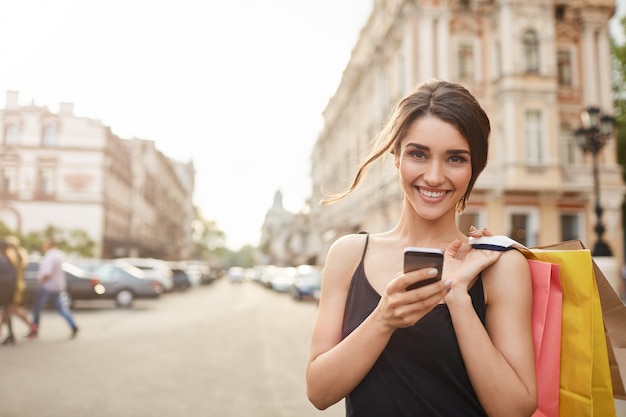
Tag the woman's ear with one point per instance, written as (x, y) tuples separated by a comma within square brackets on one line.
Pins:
[(396, 159)]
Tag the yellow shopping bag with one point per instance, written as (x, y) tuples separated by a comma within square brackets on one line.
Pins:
[(585, 383)]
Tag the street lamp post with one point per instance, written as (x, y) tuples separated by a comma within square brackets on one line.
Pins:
[(596, 130)]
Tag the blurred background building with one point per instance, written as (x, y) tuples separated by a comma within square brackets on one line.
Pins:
[(74, 173), (533, 65)]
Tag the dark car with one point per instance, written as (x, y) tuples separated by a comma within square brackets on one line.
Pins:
[(81, 284), (125, 283), (182, 279)]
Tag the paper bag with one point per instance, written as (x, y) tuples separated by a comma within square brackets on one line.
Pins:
[(585, 384), (546, 327), (614, 314), (593, 339)]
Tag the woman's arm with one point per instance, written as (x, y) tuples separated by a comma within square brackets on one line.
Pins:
[(499, 358), (336, 366)]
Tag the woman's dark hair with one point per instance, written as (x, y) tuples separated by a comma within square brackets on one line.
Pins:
[(447, 101)]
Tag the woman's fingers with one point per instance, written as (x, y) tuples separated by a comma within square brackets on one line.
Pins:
[(474, 232)]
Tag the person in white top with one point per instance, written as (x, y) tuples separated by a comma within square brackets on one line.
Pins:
[(52, 285)]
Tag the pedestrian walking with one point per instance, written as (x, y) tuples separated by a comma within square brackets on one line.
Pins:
[(7, 290), (52, 284), (459, 346), (19, 258)]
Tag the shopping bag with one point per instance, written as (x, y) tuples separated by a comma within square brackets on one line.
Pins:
[(546, 327), (591, 361), (614, 315)]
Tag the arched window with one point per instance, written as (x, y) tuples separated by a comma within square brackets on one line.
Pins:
[(531, 51)]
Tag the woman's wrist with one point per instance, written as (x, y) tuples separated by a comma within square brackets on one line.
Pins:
[(458, 298)]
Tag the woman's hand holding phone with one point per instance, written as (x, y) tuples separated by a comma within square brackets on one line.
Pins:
[(418, 258)]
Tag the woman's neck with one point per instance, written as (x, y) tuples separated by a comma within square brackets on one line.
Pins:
[(414, 230)]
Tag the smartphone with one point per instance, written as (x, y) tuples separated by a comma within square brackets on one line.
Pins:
[(418, 258)]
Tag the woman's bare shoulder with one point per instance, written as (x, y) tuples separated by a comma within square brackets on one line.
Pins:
[(348, 246), (509, 275), (344, 255)]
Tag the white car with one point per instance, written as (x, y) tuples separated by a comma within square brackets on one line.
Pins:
[(156, 269)]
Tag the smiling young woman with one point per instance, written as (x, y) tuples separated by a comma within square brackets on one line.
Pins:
[(459, 346), (434, 165)]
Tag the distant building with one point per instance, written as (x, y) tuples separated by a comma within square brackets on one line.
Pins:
[(74, 173), (276, 232)]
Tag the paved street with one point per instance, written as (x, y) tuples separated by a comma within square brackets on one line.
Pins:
[(223, 350), (218, 350)]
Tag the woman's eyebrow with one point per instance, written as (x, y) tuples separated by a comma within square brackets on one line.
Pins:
[(426, 148), (459, 152), (417, 145)]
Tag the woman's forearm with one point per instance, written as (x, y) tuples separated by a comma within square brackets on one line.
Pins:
[(333, 374)]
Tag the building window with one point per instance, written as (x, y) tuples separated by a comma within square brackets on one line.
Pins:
[(519, 228), (383, 91), (12, 134), (523, 224), (401, 74), (45, 184), (8, 183), (570, 227), (497, 69), (466, 62), (49, 137), (534, 137), (568, 149), (564, 67), (531, 51), (571, 150)]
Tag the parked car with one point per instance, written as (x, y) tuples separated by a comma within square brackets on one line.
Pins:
[(81, 284), (308, 282), (236, 274), (155, 269), (282, 278), (265, 275), (199, 271), (182, 279), (125, 283)]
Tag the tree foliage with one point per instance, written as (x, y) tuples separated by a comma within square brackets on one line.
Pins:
[(71, 241), (618, 52), (208, 239)]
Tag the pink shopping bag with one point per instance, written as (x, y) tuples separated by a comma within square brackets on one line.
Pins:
[(546, 327)]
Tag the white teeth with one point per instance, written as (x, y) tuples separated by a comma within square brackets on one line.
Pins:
[(432, 194)]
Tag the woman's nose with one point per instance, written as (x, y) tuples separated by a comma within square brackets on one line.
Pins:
[(434, 173)]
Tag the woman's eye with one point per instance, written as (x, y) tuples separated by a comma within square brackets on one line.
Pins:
[(417, 154), (457, 159)]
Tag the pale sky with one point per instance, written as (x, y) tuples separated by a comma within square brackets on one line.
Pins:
[(236, 86)]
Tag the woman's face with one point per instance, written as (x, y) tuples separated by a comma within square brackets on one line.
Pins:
[(434, 165)]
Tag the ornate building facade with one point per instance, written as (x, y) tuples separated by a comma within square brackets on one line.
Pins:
[(533, 65), (74, 173)]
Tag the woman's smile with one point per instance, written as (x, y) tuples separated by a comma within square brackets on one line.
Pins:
[(431, 193)]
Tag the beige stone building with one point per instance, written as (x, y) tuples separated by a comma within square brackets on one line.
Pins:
[(74, 173), (533, 65)]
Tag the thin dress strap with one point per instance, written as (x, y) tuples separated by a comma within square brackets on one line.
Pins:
[(367, 238)]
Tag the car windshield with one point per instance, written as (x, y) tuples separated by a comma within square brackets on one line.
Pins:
[(111, 270), (73, 269)]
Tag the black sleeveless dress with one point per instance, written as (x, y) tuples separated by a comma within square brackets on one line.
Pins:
[(420, 372)]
